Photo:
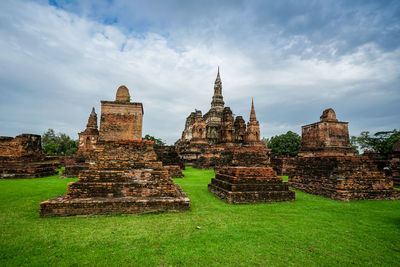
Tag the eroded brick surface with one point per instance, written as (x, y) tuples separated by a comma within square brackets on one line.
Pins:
[(394, 163), (22, 157), (326, 165), (328, 137), (244, 185), (174, 171), (342, 178)]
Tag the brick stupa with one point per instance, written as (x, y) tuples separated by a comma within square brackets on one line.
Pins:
[(244, 180), (326, 165), (124, 176)]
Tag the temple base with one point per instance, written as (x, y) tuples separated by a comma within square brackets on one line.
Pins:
[(61, 206)]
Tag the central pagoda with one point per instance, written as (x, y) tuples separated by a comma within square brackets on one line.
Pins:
[(124, 175)]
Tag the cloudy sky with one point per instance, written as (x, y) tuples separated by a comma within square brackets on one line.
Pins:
[(58, 59)]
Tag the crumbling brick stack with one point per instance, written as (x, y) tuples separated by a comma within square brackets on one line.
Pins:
[(394, 160), (342, 178), (22, 157), (174, 171), (326, 165), (126, 178), (281, 164), (74, 165), (168, 156), (170, 160), (244, 185), (221, 155)]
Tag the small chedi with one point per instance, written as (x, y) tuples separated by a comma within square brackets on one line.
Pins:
[(326, 165), (207, 140), (22, 157), (328, 137), (124, 175), (86, 148), (244, 185)]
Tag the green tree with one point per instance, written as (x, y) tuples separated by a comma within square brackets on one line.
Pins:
[(157, 141), (354, 145), (381, 142), (58, 144), (285, 144)]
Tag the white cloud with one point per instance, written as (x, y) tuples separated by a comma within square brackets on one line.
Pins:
[(57, 65)]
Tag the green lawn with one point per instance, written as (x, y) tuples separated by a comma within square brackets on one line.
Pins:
[(309, 231)]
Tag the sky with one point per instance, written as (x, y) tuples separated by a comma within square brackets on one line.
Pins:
[(58, 59)]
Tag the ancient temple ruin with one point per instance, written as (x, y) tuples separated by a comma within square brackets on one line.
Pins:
[(124, 175), (206, 139), (170, 160), (394, 164), (328, 137), (244, 185), (326, 165), (86, 149), (22, 157)]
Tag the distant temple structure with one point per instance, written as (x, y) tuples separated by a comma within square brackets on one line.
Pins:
[(206, 137), (328, 137), (326, 165)]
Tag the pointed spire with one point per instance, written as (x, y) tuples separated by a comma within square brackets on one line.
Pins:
[(252, 113), (92, 121), (218, 79)]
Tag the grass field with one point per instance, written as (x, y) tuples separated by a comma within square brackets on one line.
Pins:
[(309, 231)]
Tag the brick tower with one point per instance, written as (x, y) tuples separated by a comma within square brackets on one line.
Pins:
[(125, 176), (121, 119)]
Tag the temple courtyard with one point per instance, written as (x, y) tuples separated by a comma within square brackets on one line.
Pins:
[(310, 231)]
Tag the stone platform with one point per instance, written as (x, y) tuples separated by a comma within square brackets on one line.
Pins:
[(64, 206), (342, 178), (125, 178), (244, 185)]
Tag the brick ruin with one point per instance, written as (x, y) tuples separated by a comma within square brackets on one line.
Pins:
[(207, 139), (326, 165), (170, 160), (219, 140), (86, 147), (394, 163), (244, 185), (22, 157), (328, 137), (281, 163), (242, 177), (121, 119), (125, 175)]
